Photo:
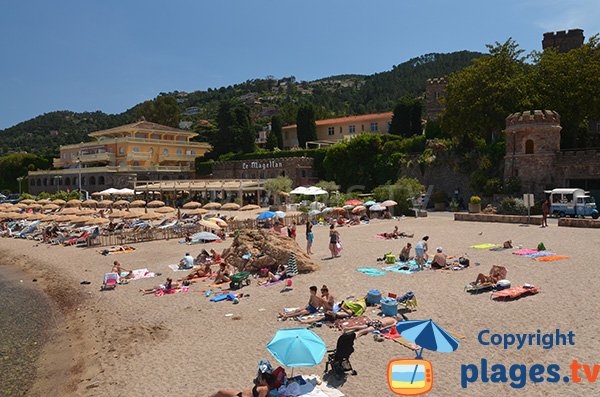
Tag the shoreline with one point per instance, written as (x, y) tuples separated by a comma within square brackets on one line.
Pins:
[(58, 362)]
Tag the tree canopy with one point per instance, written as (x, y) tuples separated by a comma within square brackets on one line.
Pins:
[(162, 110), (306, 125)]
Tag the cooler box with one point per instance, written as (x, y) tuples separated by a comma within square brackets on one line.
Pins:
[(502, 284), (373, 297), (389, 307), (390, 259)]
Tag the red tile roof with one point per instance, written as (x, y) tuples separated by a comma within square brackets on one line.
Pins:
[(350, 119)]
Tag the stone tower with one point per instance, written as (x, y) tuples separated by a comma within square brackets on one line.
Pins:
[(435, 89), (532, 145), (563, 41)]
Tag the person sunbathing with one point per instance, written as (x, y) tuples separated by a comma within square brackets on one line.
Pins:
[(343, 310), (372, 325), (439, 260), (497, 273), (261, 389), (202, 258), (223, 274), (167, 286), (215, 257), (314, 302), (205, 271), (117, 268), (279, 275)]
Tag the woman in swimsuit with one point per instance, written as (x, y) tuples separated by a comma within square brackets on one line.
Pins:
[(223, 274), (334, 238), (309, 238), (372, 325), (259, 390)]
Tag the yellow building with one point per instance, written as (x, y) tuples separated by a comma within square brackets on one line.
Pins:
[(141, 150), (331, 131)]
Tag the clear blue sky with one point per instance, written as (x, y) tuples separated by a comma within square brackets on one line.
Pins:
[(108, 55)]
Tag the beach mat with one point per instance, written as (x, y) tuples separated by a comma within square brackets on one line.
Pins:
[(171, 291), (138, 274), (514, 293), (371, 271), (271, 283), (539, 254), (486, 246), (525, 252), (551, 258)]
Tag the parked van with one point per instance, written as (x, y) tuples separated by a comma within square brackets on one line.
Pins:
[(571, 202)]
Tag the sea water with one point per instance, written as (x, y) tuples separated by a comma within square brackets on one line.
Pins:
[(25, 315)]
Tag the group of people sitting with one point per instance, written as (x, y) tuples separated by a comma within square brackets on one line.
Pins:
[(396, 233)]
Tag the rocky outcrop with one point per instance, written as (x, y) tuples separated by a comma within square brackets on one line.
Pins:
[(267, 249)]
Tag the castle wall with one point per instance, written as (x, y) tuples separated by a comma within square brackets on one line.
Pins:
[(563, 41)]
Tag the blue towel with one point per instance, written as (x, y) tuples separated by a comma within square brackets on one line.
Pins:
[(539, 254), (370, 271), (222, 297)]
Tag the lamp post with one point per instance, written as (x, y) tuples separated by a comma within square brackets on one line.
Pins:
[(20, 179), (78, 162)]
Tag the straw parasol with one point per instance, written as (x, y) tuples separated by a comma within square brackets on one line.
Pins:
[(120, 203), (208, 224), (65, 218), (34, 217), (149, 216), (164, 210), (73, 203), (132, 215), (155, 204), (34, 206), (118, 214), (87, 211), (218, 221), (97, 221), (27, 201), (50, 218), (198, 211), (80, 220), (105, 203), (21, 205), (59, 202), (17, 215), (137, 203), (90, 203), (43, 201), (192, 205), (212, 206), (51, 207), (70, 211), (231, 207)]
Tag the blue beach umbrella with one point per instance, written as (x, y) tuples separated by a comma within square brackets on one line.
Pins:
[(369, 203), (265, 215), (428, 335), (313, 212), (280, 214), (297, 347)]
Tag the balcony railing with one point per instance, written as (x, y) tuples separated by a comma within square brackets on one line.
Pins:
[(96, 157), (144, 156), (177, 157)]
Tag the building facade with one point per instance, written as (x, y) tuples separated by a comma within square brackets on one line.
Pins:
[(331, 131), (533, 155), (435, 90), (120, 156), (299, 169), (564, 40)]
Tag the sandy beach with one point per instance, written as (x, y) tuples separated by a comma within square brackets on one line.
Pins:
[(123, 343)]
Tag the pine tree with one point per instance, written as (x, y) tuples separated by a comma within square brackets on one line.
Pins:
[(306, 125), (276, 129)]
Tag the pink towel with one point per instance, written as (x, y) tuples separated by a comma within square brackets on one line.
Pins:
[(525, 252)]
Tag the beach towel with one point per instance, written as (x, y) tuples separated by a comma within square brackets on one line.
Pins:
[(311, 388), (539, 254), (162, 292), (524, 252), (342, 323), (271, 283), (138, 274), (176, 268), (499, 249), (486, 246), (292, 266), (515, 293), (551, 258), (222, 297), (358, 307), (370, 271)]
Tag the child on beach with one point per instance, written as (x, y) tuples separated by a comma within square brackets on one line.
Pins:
[(167, 286)]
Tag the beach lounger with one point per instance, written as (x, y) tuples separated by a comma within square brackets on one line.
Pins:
[(515, 293), (110, 281)]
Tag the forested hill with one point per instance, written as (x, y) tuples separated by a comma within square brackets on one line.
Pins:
[(332, 96)]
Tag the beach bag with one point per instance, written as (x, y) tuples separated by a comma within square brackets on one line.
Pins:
[(280, 376), (541, 247), (463, 261)]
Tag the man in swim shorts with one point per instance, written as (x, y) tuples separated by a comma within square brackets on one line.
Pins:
[(314, 302)]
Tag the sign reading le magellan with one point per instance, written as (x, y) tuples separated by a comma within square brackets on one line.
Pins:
[(262, 165)]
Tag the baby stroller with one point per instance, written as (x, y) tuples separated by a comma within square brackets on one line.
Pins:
[(238, 280), (339, 359)]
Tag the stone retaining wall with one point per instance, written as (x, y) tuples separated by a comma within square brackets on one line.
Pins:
[(459, 216), (574, 222)]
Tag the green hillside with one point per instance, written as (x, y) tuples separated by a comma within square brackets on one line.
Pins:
[(332, 96)]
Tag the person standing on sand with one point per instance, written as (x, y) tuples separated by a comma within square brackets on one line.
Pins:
[(421, 252), (309, 237), (334, 240), (545, 212)]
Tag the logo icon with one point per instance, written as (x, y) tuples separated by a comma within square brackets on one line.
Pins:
[(410, 377)]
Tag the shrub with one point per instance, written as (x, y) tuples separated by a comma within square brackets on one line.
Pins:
[(512, 206), (475, 200), (439, 196), (204, 167), (493, 186), (513, 185), (404, 191)]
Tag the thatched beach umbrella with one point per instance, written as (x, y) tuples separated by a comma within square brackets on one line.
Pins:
[(27, 201), (50, 218), (137, 203), (105, 203), (212, 206), (50, 207), (230, 207), (80, 220), (34, 217), (198, 211), (121, 203), (21, 205), (218, 221), (59, 202), (118, 214), (149, 216), (69, 211), (65, 218), (192, 205), (34, 206), (208, 224), (97, 221), (43, 201), (18, 215), (73, 203), (87, 211), (90, 203), (164, 210), (155, 204)]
